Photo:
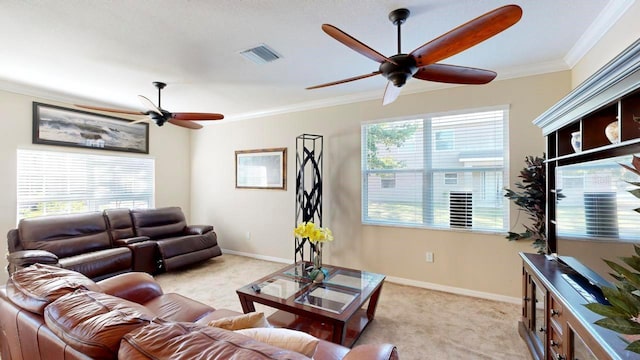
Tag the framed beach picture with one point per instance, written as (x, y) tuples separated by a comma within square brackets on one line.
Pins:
[(55, 125), (261, 169)]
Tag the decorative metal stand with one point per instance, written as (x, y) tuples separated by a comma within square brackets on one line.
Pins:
[(308, 189)]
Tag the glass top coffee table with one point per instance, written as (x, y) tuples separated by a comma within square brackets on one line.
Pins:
[(337, 310)]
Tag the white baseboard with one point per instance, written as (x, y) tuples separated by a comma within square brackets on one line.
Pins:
[(402, 281), (256, 256), (455, 290)]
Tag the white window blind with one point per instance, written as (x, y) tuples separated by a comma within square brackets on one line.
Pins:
[(597, 203), (449, 171), (59, 183)]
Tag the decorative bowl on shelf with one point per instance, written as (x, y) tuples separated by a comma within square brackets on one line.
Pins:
[(576, 141), (611, 131)]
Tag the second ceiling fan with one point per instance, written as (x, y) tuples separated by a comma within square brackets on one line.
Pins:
[(421, 63), (159, 116)]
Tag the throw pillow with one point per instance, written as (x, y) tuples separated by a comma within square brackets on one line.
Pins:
[(94, 323), (293, 340), (38, 285), (250, 320)]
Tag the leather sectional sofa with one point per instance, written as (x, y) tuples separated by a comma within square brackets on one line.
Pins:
[(103, 244), (47, 312)]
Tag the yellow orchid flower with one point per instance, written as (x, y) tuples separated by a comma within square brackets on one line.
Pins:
[(315, 234)]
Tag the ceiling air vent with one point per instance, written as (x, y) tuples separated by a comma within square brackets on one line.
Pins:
[(260, 54)]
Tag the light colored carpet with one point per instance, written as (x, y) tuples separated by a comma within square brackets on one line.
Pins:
[(423, 324)]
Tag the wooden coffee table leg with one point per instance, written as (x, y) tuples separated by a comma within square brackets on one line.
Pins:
[(339, 332), (247, 305), (373, 303)]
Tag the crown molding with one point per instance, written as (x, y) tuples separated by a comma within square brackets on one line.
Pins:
[(600, 26), (46, 94), (618, 77)]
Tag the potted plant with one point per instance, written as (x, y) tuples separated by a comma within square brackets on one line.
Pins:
[(622, 315), (531, 198)]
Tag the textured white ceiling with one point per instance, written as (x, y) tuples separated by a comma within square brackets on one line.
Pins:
[(107, 52)]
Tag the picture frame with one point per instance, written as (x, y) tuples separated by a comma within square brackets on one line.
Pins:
[(261, 169), (60, 126)]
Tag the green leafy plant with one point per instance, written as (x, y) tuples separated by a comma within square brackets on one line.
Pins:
[(623, 313), (532, 200)]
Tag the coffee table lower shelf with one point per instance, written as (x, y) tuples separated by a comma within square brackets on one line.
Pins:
[(322, 330)]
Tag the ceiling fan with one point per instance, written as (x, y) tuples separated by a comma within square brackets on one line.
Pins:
[(160, 116), (421, 63)]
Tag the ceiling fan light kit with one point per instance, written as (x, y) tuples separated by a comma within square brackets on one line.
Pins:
[(422, 63), (160, 116)]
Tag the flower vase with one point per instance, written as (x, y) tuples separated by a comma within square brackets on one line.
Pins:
[(576, 141), (317, 274)]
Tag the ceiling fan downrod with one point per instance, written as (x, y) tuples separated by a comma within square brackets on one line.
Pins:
[(398, 17), (403, 65), (160, 86)]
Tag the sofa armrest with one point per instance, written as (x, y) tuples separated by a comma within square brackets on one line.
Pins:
[(373, 352), (131, 240), (197, 229), (138, 287), (25, 258)]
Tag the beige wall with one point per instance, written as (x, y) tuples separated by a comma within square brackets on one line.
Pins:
[(478, 262), (168, 145)]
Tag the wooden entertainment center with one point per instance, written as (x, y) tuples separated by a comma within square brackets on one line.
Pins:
[(555, 324)]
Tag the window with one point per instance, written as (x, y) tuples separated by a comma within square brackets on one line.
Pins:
[(451, 178), (388, 181), (444, 139), (458, 188), (59, 183), (596, 201)]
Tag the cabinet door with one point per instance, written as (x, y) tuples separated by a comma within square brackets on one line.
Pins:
[(539, 315), (526, 299), (578, 348)]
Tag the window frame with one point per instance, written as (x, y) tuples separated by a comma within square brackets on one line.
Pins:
[(428, 173)]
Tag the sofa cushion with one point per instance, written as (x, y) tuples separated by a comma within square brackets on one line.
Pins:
[(65, 235), (244, 321), (158, 223), (175, 307), (182, 341), (293, 340), (120, 224), (94, 323), (97, 264), (38, 285)]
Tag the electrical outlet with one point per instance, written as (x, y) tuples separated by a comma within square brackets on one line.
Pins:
[(248, 235), (429, 257)]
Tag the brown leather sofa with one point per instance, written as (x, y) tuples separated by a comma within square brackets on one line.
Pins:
[(47, 312), (178, 243), (103, 244)]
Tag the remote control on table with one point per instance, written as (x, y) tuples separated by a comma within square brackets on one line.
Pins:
[(255, 288)]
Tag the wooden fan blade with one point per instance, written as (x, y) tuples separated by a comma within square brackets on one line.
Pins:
[(467, 35), (186, 124), (354, 44), (454, 74), (391, 93), (150, 105), (196, 116), (345, 80), (120, 111)]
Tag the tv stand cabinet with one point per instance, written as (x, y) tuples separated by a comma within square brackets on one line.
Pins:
[(555, 324)]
